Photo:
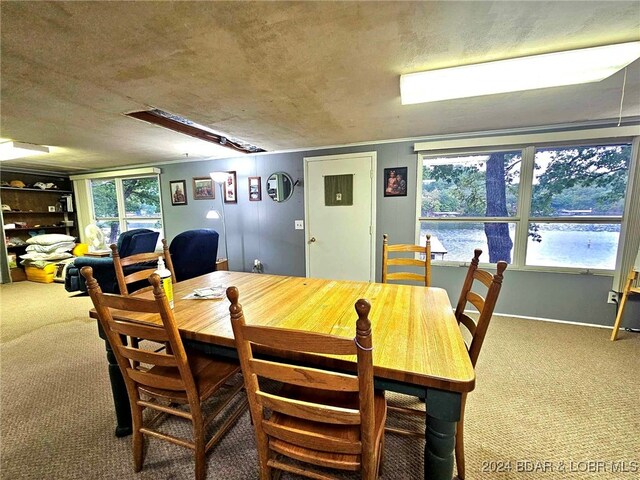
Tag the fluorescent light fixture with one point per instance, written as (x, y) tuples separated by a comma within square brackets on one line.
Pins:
[(11, 150), (213, 214), (516, 74)]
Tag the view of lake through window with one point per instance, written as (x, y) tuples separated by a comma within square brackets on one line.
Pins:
[(571, 208)]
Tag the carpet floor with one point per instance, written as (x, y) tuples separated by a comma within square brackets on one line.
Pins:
[(552, 401)]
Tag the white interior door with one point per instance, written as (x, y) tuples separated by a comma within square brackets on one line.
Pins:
[(340, 238)]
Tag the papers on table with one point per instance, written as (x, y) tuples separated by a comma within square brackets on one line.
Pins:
[(208, 293)]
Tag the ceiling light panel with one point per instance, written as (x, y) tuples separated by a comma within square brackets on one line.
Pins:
[(11, 150), (517, 74)]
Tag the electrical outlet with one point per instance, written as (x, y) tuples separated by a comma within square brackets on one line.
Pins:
[(612, 297), (299, 224)]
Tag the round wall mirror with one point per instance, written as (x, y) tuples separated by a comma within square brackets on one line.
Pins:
[(279, 186)]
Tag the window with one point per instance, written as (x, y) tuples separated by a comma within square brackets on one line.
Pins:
[(122, 204), (549, 207)]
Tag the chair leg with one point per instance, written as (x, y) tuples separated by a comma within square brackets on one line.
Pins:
[(200, 450), (623, 301), (137, 440)]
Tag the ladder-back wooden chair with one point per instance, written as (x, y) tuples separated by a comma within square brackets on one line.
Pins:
[(144, 265), (478, 330), (141, 260), (631, 286), (406, 261), (319, 417), (175, 383)]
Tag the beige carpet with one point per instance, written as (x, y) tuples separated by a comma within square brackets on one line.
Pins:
[(545, 392)]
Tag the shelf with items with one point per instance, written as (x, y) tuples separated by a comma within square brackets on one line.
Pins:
[(39, 227), (31, 209), (32, 212), (27, 189)]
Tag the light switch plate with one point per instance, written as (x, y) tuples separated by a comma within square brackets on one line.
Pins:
[(299, 224)]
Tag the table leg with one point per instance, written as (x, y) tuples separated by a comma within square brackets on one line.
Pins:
[(443, 411), (118, 390)]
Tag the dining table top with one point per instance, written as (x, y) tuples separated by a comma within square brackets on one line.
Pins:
[(416, 338)]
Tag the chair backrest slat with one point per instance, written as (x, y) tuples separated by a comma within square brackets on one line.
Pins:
[(117, 302), (485, 306), (304, 376), (298, 341), (476, 300), (468, 322), (424, 276), (315, 412), (148, 357), (144, 332), (405, 276), (405, 261), (142, 259), (485, 277), (311, 440), (156, 381), (405, 247)]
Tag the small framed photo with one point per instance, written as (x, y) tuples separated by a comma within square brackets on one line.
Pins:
[(51, 208), (203, 188), (255, 190), (178, 190), (231, 188), (395, 182)]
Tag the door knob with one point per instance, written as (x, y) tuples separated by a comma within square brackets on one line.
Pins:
[(312, 239)]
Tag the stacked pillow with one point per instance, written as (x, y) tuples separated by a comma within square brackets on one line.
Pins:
[(48, 248)]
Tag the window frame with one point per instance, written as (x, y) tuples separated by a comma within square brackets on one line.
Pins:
[(122, 219), (523, 217)]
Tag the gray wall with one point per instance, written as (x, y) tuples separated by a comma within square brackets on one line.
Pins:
[(265, 230)]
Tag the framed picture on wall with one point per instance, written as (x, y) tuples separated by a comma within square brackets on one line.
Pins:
[(231, 189), (255, 190), (395, 182), (178, 189), (203, 188)]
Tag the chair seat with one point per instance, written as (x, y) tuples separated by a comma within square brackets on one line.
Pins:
[(348, 432), (209, 375)]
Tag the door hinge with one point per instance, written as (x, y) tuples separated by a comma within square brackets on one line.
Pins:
[(370, 173)]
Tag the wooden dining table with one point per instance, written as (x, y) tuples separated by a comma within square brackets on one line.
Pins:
[(417, 345)]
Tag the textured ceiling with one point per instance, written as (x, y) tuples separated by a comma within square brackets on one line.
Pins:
[(281, 75)]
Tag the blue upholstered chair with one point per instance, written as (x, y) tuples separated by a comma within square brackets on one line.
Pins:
[(140, 240), (193, 253)]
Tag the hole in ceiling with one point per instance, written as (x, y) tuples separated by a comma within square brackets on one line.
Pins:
[(187, 127)]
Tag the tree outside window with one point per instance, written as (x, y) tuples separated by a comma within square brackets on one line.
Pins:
[(577, 192)]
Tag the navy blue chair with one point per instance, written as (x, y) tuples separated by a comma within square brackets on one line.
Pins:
[(141, 240), (194, 253)]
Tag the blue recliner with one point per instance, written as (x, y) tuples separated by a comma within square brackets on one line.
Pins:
[(141, 240), (193, 253)]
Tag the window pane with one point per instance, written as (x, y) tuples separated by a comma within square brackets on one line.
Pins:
[(141, 197), (575, 181), (105, 203), (471, 185), (111, 230), (456, 241), (573, 245)]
